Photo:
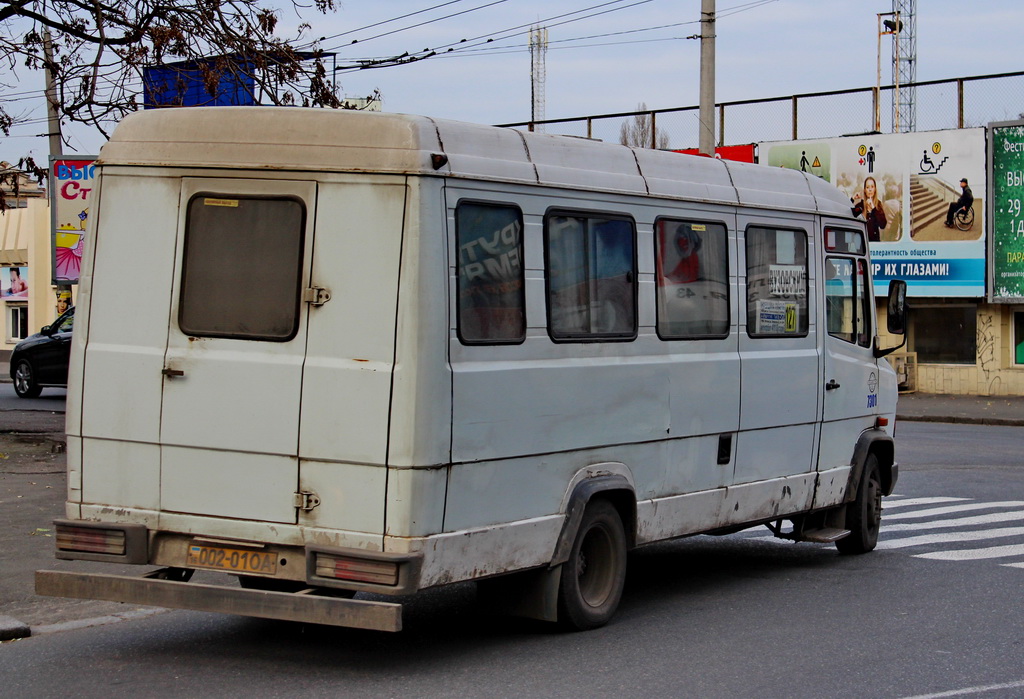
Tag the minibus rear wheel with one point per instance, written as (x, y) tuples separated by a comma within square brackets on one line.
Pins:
[(593, 577), (864, 514)]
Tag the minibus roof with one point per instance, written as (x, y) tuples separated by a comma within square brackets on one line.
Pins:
[(312, 140)]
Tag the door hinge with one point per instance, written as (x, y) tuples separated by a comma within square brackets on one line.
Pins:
[(316, 296), (306, 501)]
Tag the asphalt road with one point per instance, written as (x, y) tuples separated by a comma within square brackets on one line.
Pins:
[(935, 611)]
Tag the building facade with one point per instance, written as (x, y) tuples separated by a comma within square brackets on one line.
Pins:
[(27, 295)]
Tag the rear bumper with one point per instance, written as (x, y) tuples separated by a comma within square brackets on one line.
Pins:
[(286, 606)]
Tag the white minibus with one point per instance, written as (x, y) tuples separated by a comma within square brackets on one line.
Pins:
[(324, 353)]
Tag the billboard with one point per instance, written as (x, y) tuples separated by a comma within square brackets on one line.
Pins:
[(185, 84), (71, 189), (902, 186), (746, 153), (1006, 172)]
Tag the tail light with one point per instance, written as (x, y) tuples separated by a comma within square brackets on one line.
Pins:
[(102, 541), (356, 569), (108, 541)]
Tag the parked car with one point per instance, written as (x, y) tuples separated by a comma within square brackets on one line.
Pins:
[(41, 360)]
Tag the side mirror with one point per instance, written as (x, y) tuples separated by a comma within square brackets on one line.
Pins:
[(896, 315), (897, 311)]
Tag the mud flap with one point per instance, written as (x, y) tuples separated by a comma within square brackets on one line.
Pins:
[(532, 594)]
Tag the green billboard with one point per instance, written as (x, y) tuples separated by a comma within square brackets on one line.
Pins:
[(1006, 173)]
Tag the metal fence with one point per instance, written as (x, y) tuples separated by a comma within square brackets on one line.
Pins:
[(941, 104)]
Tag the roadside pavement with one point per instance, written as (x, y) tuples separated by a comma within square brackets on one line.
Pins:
[(33, 489), (977, 410)]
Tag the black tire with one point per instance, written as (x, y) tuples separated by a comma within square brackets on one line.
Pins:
[(864, 515), (25, 380), (593, 577)]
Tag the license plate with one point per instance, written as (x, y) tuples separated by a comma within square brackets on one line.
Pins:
[(235, 560)]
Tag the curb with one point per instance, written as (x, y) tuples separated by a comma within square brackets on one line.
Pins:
[(11, 629), (963, 420)]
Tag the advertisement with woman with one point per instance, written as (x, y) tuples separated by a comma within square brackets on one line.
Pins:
[(902, 186)]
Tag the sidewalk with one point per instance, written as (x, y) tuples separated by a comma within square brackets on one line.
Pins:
[(977, 410)]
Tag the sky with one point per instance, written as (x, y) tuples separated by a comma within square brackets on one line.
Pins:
[(610, 58)]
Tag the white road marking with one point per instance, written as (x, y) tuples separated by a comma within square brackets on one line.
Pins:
[(958, 522), (970, 690), (950, 537), (977, 554), (936, 511), (900, 501)]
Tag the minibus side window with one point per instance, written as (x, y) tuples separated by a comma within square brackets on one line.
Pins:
[(846, 300), (864, 333), (840, 298), (591, 277), (490, 300), (693, 279), (776, 282), (242, 267)]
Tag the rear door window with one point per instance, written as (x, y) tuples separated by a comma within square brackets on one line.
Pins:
[(242, 268)]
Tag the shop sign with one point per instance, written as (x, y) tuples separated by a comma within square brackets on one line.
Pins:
[(71, 187)]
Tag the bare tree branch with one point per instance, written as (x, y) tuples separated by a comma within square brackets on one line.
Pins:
[(101, 50)]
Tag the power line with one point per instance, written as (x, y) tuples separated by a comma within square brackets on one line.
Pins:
[(484, 42), (393, 19), (518, 29)]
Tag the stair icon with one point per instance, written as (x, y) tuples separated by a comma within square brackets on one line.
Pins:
[(929, 201)]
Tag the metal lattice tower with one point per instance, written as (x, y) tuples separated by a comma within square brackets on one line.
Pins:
[(538, 70), (904, 66)]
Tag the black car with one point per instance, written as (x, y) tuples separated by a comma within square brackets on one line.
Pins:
[(42, 359)]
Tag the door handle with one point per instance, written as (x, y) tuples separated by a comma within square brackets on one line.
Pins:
[(171, 373), (831, 385)]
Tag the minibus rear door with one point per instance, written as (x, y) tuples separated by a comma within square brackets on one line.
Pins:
[(232, 373)]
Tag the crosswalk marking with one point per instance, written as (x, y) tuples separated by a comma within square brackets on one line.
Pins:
[(952, 509), (950, 537), (944, 529), (958, 522), (977, 554), (899, 501)]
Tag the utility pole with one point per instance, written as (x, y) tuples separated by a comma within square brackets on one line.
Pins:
[(53, 119), (707, 77)]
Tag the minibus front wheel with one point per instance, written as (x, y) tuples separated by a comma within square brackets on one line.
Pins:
[(864, 514), (595, 573)]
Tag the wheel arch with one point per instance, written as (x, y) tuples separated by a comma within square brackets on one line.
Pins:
[(879, 443), (613, 487)]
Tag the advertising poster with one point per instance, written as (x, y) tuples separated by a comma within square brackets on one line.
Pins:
[(902, 186), (1006, 169), (71, 189), (746, 153), (14, 283)]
